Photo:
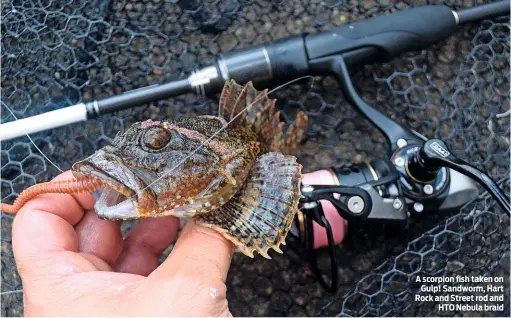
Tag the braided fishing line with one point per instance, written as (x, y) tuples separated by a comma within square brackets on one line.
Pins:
[(32, 141)]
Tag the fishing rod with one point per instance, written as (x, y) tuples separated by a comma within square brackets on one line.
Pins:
[(374, 40)]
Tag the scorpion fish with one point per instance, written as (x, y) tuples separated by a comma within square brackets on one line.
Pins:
[(235, 173)]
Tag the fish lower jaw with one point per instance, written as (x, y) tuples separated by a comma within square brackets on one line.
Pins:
[(111, 204)]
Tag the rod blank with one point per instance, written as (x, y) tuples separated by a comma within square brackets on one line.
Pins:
[(486, 11), (45, 121)]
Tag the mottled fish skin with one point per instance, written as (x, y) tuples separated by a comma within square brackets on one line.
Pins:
[(221, 164), (238, 179)]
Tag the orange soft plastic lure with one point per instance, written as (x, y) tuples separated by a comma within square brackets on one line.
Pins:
[(84, 184)]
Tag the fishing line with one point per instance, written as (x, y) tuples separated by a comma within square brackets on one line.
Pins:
[(223, 127), (507, 113), (29, 138), (12, 292)]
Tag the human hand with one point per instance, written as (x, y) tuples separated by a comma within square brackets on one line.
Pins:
[(73, 264)]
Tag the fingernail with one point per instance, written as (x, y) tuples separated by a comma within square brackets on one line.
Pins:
[(213, 292)]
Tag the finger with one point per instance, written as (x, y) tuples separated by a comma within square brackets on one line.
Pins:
[(199, 252), (84, 199), (46, 246), (145, 243), (44, 226), (102, 238)]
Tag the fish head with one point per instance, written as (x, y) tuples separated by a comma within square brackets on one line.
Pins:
[(168, 168)]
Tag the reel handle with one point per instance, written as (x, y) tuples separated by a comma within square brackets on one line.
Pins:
[(351, 193), (335, 196), (434, 155)]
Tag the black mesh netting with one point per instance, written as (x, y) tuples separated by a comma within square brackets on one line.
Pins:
[(57, 53)]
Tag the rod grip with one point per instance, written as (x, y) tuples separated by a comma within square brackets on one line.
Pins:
[(393, 34)]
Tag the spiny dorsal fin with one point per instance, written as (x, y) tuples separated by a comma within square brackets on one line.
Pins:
[(260, 115)]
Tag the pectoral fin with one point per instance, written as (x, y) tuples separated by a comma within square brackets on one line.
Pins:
[(260, 215)]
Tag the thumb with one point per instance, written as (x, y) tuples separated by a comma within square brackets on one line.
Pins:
[(201, 253), (194, 274)]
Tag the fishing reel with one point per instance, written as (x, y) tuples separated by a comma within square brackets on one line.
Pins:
[(419, 177)]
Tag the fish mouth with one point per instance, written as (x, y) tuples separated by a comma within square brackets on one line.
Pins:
[(124, 195)]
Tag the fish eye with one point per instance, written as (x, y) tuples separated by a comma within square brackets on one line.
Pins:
[(156, 138)]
